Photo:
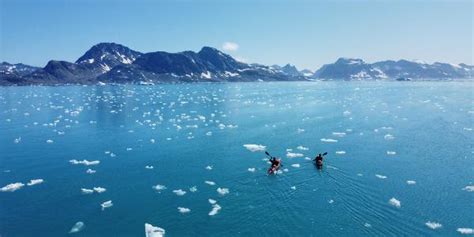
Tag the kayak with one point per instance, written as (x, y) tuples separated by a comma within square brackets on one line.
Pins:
[(319, 164), (274, 169)]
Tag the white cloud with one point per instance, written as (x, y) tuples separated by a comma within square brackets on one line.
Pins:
[(230, 46)]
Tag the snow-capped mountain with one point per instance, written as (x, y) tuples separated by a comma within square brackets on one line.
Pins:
[(348, 68), (115, 63), (98, 60), (19, 69), (209, 64), (105, 56)]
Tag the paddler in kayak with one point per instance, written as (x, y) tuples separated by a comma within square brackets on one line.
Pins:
[(319, 160), (276, 163)]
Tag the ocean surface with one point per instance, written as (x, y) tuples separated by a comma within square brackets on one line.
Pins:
[(400, 159)]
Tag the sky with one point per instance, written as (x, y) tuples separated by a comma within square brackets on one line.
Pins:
[(304, 33)]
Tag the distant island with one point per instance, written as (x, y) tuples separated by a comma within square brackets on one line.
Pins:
[(115, 63)]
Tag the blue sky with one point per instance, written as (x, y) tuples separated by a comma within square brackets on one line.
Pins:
[(304, 33)]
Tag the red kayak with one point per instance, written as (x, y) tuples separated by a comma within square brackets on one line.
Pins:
[(274, 168)]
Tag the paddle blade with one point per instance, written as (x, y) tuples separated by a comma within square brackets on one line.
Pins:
[(325, 153), (267, 153)]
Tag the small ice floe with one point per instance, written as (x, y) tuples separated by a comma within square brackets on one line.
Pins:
[(380, 176), (251, 169), (331, 201), (49, 141), (339, 134), (328, 140), (300, 130), (340, 152), (152, 140), (367, 225), (215, 209), (159, 187), (255, 147), (153, 231), (149, 167), (12, 187), (212, 201), (17, 140), (99, 189), (35, 182), (388, 137), (433, 225), (209, 134), (179, 192), (391, 153), (302, 148), (295, 165), (307, 158), (293, 155), (465, 231), (293, 187), (411, 182), (359, 174), (346, 113), (77, 227), (222, 191), (184, 210), (129, 149), (469, 188), (394, 202), (210, 182), (193, 189), (90, 171), (208, 167), (87, 191), (106, 204), (84, 162)]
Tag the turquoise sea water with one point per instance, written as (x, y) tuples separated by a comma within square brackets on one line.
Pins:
[(378, 136)]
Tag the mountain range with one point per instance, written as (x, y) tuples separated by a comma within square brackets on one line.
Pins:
[(115, 63)]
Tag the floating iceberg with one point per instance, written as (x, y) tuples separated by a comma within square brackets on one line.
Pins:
[(35, 182), (328, 140), (159, 187), (77, 227), (223, 191), (394, 202), (179, 192), (433, 225), (215, 209), (99, 189), (12, 187), (106, 204), (255, 147), (84, 162), (469, 188), (210, 183), (87, 191), (465, 231), (184, 210), (380, 176), (302, 148), (293, 155), (153, 231)]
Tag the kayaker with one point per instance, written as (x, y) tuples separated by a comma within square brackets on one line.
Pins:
[(319, 160), (276, 163)]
